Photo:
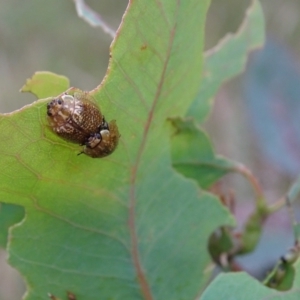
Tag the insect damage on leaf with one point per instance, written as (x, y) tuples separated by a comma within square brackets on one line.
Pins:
[(79, 119)]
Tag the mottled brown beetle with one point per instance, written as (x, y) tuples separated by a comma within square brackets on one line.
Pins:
[(104, 142), (74, 117), (78, 119)]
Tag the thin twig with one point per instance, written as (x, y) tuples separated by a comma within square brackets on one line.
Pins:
[(291, 196), (92, 18), (277, 205), (243, 170)]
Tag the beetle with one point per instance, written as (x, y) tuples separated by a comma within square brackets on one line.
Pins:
[(104, 142), (77, 118)]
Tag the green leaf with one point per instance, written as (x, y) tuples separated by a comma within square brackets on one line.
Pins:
[(127, 226), (46, 84), (240, 286), (281, 277), (193, 155), (9, 215), (235, 286), (228, 59)]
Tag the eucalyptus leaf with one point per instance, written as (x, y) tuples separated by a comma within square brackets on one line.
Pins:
[(227, 59), (127, 226)]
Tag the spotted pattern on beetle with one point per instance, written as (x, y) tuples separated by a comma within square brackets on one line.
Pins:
[(103, 143), (78, 119)]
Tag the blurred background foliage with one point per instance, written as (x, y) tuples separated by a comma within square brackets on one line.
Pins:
[(255, 118)]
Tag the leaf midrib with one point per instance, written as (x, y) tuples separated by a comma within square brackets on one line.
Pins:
[(141, 276)]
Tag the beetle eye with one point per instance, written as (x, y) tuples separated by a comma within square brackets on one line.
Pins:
[(59, 101), (49, 113)]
